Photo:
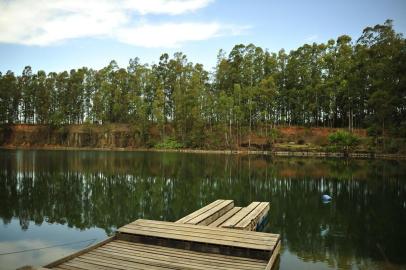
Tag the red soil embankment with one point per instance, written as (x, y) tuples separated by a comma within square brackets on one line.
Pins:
[(129, 137)]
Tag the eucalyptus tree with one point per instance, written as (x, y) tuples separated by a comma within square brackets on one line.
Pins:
[(62, 98), (384, 68), (195, 100), (283, 105), (180, 71), (267, 93), (139, 94), (344, 64), (51, 89), (26, 85), (89, 88), (9, 98), (42, 99), (105, 95)]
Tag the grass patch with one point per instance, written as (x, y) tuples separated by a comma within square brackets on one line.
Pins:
[(169, 144)]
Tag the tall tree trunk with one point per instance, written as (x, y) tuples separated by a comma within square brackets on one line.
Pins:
[(383, 134), (249, 136), (230, 129)]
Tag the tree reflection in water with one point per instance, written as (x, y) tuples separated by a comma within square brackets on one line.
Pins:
[(84, 189)]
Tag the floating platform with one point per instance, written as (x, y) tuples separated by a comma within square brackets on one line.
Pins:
[(201, 240)]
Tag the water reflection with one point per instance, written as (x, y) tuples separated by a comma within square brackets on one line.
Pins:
[(30, 258), (41, 244), (362, 226)]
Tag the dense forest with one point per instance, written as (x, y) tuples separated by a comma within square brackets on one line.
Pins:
[(340, 83)]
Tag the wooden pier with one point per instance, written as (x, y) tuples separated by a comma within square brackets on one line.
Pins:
[(222, 213), (217, 236)]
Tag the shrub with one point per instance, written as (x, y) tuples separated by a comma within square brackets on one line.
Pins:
[(373, 131), (274, 135), (343, 140), (393, 145), (169, 144)]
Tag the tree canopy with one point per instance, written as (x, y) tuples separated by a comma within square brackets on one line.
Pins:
[(340, 83)]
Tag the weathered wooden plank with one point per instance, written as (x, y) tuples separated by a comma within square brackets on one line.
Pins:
[(199, 212), (87, 266), (250, 221), (162, 261), (202, 231), (198, 246), (124, 245), (209, 238), (80, 252), (171, 259), (206, 229), (274, 256), (126, 255), (240, 215), (66, 267), (120, 262), (198, 239), (219, 214), (225, 217), (169, 256), (193, 237), (205, 234), (212, 214)]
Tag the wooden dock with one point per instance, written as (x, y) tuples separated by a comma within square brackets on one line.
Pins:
[(223, 213), (217, 236)]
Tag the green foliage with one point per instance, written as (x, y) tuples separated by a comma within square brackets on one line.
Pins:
[(343, 140), (169, 143), (390, 145), (338, 83), (373, 131), (393, 146), (274, 134)]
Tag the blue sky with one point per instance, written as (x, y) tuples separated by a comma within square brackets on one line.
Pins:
[(56, 35)]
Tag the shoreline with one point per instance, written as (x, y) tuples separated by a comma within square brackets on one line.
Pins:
[(278, 153)]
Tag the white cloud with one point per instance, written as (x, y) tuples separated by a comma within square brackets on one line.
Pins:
[(172, 7), (168, 34), (46, 22)]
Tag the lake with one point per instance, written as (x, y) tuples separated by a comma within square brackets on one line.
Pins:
[(55, 202)]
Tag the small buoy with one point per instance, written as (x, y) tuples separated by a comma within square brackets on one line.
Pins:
[(326, 197)]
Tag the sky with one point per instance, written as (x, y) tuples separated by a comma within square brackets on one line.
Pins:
[(57, 35)]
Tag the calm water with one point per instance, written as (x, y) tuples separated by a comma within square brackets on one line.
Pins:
[(75, 198)]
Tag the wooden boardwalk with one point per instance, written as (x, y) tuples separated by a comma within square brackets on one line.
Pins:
[(222, 213), (201, 240), (118, 254)]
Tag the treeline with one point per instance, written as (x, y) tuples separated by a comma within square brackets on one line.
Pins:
[(340, 83)]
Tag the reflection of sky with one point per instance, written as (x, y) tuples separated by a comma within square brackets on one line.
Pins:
[(307, 261), (12, 238), (291, 261)]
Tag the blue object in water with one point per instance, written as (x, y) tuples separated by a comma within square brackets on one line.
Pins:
[(262, 223), (326, 197)]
